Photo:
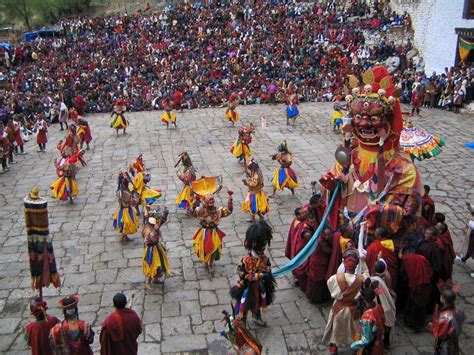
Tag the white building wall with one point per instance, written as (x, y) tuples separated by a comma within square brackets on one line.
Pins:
[(434, 22)]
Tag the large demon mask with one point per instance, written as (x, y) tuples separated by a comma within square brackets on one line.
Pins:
[(374, 109)]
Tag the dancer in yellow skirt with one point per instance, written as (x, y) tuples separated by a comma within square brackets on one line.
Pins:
[(119, 121), (168, 116), (231, 114), (284, 176), (155, 259), (186, 198), (256, 202), (125, 218), (65, 186), (208, 238), (240, 148)]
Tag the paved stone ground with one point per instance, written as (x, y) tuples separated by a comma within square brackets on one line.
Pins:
[(184, 315)]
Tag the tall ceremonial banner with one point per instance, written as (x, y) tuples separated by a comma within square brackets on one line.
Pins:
[(40, 243), (312, 244)]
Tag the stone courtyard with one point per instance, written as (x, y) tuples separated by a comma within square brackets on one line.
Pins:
[(184, 315)]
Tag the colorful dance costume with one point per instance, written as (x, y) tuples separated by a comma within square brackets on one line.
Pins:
[(284, 176), (255, 289), (155, 259), (168, 116), (65, 186), (71, 336), (291, 110), (337, 116), (125, 218), (371, 324), (84, 133), (240, 148), (147, 194), (231, 114), (71, 143), (239, 336), (208, 238), (186, 198), (119, 121), (256, 202)]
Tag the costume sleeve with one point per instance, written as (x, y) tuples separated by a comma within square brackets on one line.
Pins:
[(364, 269), (333, 286), (368, 330)]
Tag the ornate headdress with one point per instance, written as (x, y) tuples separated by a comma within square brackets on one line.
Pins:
[(377, 97)]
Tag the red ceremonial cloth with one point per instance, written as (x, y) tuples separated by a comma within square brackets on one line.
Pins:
[(418, 269), (119, 333), (37, 334)]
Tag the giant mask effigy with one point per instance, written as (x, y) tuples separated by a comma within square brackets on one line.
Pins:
[(379, 182)]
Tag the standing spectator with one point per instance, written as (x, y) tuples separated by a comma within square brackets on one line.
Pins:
[(4, 149), (469, 239)]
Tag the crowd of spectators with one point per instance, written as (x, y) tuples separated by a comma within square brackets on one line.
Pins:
[(206, 51)]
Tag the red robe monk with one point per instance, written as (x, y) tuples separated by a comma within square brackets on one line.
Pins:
[(304, 232), (386, 248), (120, 329), (427, 205), (445, 243), (318, 266), (300, 216), (418, 272)]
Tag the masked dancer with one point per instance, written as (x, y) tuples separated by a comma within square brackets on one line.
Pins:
[(186, 198), (231, 114), (256, 287), (125, 219), (240, 148), (155, 259), (284, 176), (208, 238), (118, 118), (256, 202)]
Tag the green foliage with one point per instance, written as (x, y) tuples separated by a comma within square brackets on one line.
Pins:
[(41, 11)]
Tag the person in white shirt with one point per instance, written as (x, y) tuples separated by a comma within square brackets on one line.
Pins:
[(469, 239), (345, 289)]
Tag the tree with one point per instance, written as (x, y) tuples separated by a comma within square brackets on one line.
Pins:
[(19, 10)]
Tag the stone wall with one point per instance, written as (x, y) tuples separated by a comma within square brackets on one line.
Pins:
[(434, 22)]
